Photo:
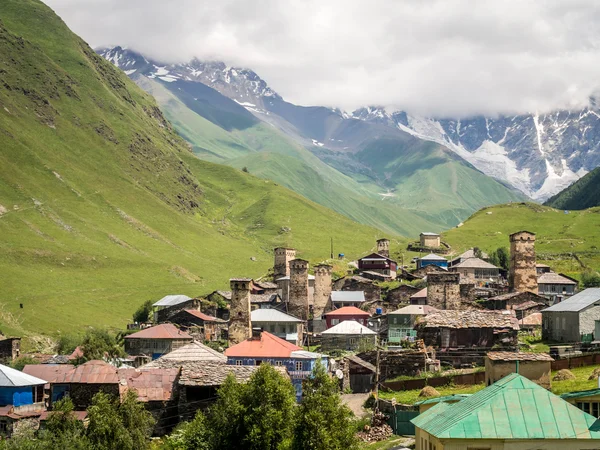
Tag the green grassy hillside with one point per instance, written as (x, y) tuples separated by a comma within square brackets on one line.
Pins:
[(567, 242), (584, 193), (103, 206)]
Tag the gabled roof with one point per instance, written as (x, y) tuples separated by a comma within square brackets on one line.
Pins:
[(264, 298), (194, 351), (428, 233), (471, 254), (150, 385), (475, 263), (202, 316), (532, 319), (519, 356), (578, 302), (10, 377), (432, 257), (48, 372), (349, 327), (272, 315), (268, 346), (347, 296), (172, 300), (348, 311), (421, 294), (376, 257), (162, 331), (580, 394), (413, 310), (91, 372), (265, 284), (446, 398), (512, 408), (555, 278)]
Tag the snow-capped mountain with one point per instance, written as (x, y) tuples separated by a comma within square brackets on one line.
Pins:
[(537, 154)]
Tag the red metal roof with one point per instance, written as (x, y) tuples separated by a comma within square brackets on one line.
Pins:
[(92, 372), (348, 311), (201, 315), (162, 331), (268, 346), (77, 353), (151, 385), (48, 372)]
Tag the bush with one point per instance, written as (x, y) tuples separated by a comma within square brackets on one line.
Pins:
[(590, 279), (144, 312)]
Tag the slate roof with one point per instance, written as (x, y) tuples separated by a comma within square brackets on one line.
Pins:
[(194, 351), (172, 300), (532, 319), (263, 298), (509, 295), (471, 319), (162, 331), (272, 315), (471, 254), (202, 316), (265, 284), (348, 311), (413, 310), (578, 302), (475, 263), (347, 296), (214, 374), (554, 278), (225, 294), (512, 408), (348, 327), (526, 305), (519, 356), (10, 377), (361, 362), (268, 346)]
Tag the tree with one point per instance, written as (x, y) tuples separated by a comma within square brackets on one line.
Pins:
[(193, 435), (143, 313), (99, 343), (226, 416), (324, 423), (590, 279), (477, 253), (500, 258), (118, 426), (245, 169)]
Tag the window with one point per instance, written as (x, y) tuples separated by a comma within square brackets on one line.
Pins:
[(299, 366), (335, 321), (279, 363), (238, 362), (352, 341), (272, 328)]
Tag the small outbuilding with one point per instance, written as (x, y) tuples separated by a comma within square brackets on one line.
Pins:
[(348, 335), (432, 260), (534, 366), (574, 319)]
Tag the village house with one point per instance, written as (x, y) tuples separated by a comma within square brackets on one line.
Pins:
[(573, 319), (588, 401), (532, 322), (430, 240), (556, 287), (467, 255), (469, 328), (263, 347), (346, 313), (432, 260), (371, 290), (156, 341), (339, 299), (169, 302), (378, 264), (534, 366), (489, 420), (402, 321), (519, 301), (477, 270), (420, 298), (21, 397), (279, 324), (348, 335), (199, 325), (358, 374)]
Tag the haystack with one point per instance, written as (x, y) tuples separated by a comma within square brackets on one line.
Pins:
[(595, 374), (563, 374), (428, 391)]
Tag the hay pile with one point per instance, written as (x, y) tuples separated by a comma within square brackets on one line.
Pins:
[(563, 374), (428, 391), (595, 374)]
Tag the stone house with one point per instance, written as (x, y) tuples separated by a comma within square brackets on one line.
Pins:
[(401, 322), (533, 366), (432, 260), (419, 298), (477, 270), (348, 335), (443, 290), (156, 341), (357, 283), (279, 324), (400, 295), (168, 303), (379, 264), (469, 328), (573, 319), (346, 313), (531, 417), (430, 240), (263, 347), (514, 300), (200, 325), (339, 299), (556, 287)]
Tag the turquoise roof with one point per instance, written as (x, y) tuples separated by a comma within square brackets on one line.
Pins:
[(446, 398), (512, 408), (578, 394)]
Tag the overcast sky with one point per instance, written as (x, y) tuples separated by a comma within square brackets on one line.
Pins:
[(443, 58)]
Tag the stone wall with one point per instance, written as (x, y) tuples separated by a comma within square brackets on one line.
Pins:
[(283, 256), (522, 275), (536, 371), (298, 300), (443, 290), (358, 283), (322, 290), (394, 364), (400, 296), (10, 348), (240, 325)]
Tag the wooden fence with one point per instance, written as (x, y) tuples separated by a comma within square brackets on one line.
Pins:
[(419, 383)]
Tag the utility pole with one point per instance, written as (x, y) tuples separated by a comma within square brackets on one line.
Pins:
[(377, 378), (332, 248)]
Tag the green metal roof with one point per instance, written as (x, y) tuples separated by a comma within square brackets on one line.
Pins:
[(512, 408), (578, 394), (446, 398)]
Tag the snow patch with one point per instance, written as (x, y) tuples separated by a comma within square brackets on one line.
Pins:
[(129, 72), (169, 79), (317, 143), (555, 183), (245, 103)]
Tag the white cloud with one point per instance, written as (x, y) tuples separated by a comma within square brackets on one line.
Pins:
[(444, 58)]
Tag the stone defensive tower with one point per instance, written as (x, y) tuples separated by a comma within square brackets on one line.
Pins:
[(383, 247), (522, 274), (298, 300), (443, 290), (240, 324), (322, 289), (283, 256)]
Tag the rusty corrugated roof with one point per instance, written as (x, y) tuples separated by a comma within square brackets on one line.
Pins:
[(151, 385), (162, 331)]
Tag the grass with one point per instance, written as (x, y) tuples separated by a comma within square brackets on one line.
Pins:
[(534, 342), (412, 396), (391, 442), (580, 383), (105, 207)]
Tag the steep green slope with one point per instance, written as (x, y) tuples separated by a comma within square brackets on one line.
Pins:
[(567, 242), (584, 193), (268, 154), (103, 206)]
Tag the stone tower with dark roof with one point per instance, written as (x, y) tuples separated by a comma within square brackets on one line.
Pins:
[(240, 324), (522, 274), (298, 299)]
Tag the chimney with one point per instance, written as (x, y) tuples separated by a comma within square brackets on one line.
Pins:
[(383, 247), (322, 289), (298, 299), (240, 325), (256, 334)]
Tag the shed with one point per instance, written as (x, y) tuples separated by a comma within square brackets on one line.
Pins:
[(18, 388), (573, 319), (534, 366), (348, 335)]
